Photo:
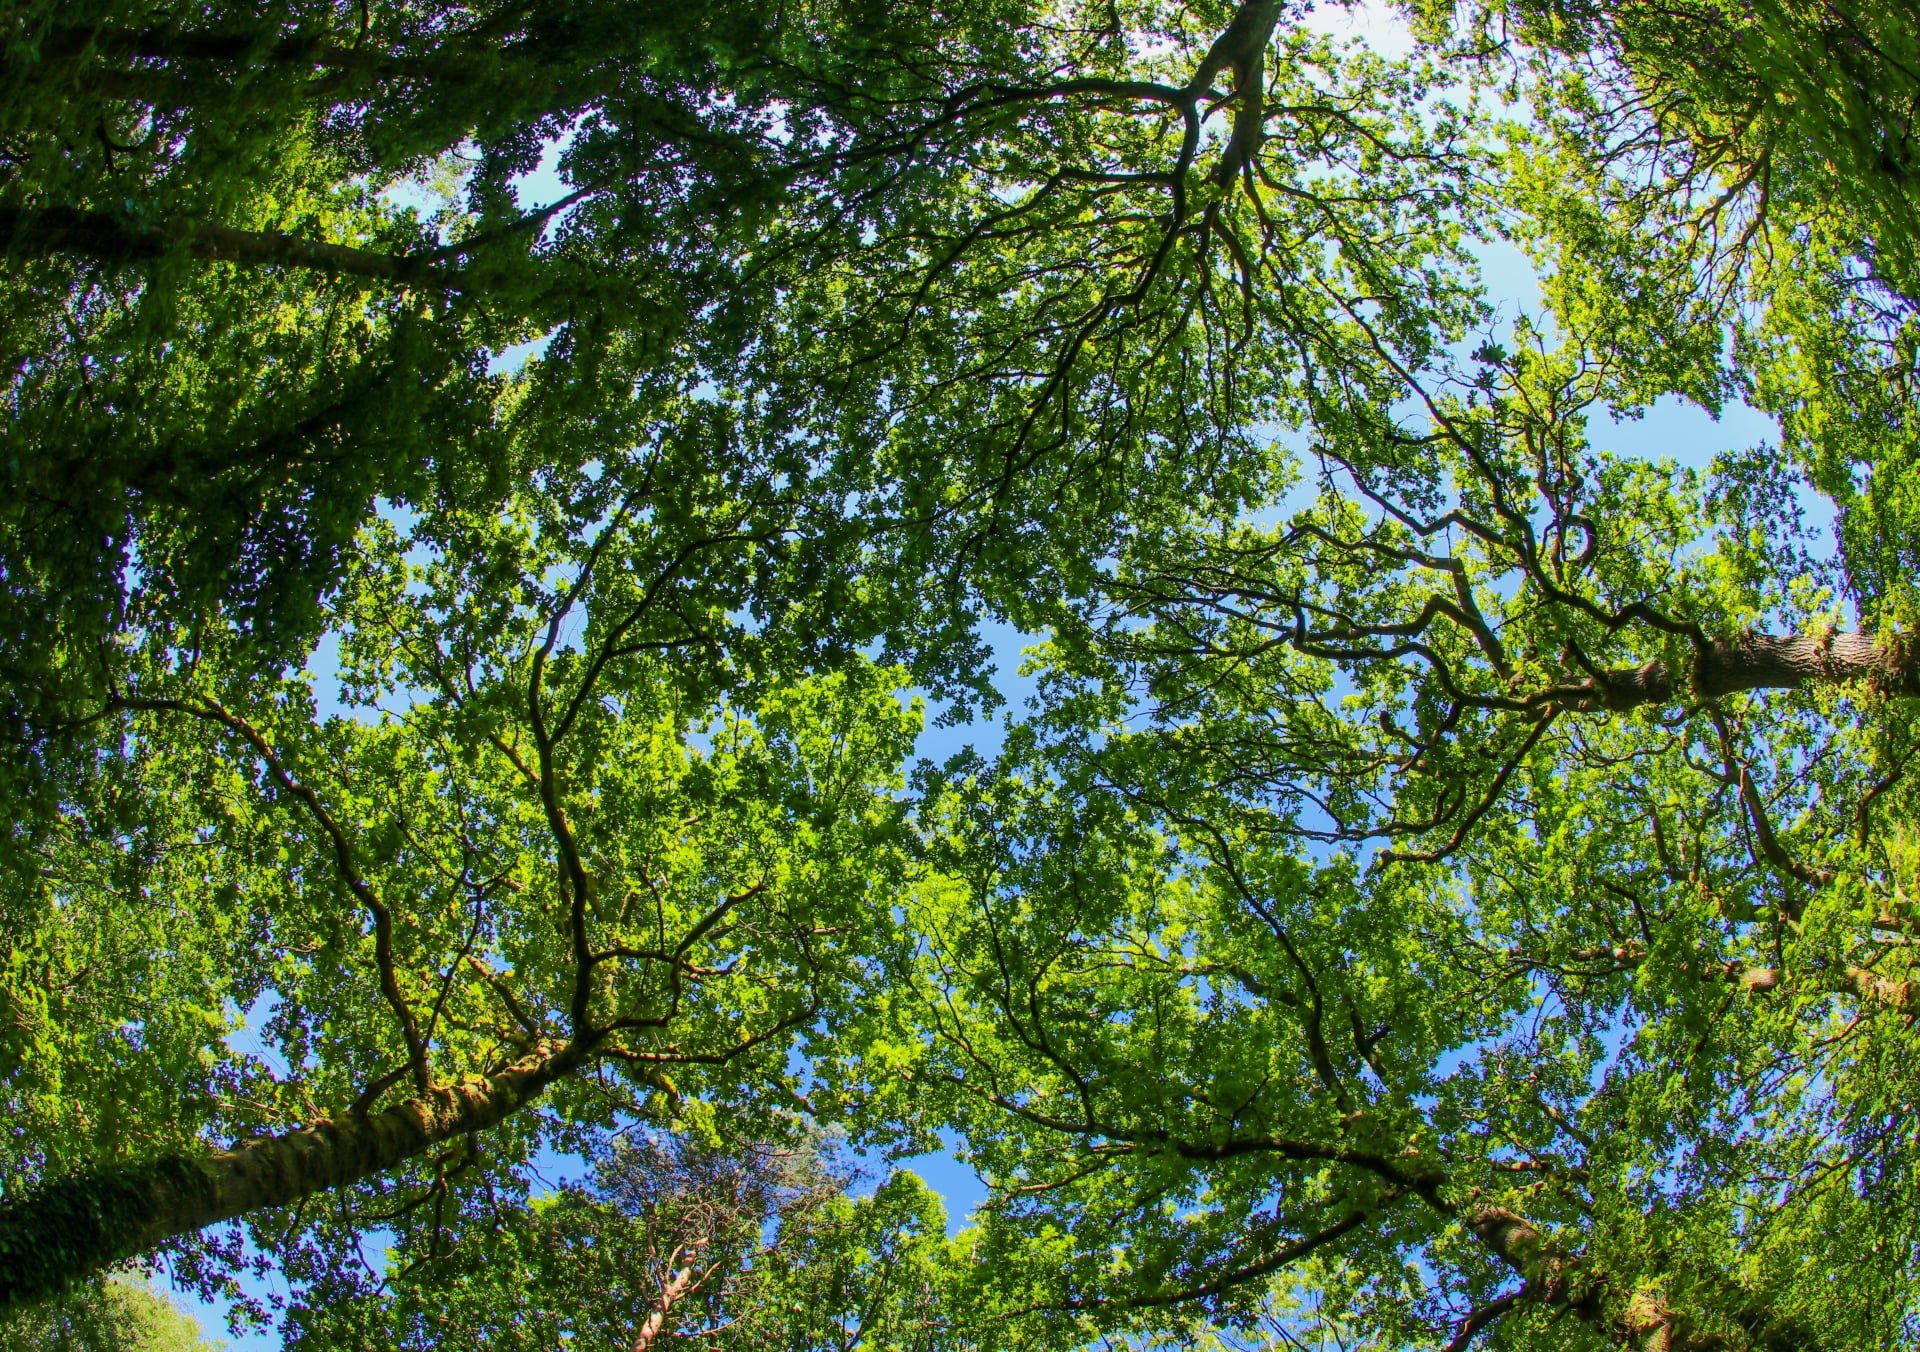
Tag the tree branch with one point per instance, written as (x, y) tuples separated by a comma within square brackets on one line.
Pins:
[(1753, 662), (64, 1231), (343, 854), (1489, 1313)]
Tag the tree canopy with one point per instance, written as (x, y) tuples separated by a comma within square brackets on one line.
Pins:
[(467, 659)]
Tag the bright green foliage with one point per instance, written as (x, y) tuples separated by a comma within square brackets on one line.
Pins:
[(1768, 109), (970, 224), (1699, 175), (1202, 1057), (117, 1315), (565, 827), (1449, 883)]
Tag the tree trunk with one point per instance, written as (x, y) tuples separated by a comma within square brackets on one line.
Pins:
[(656, 1319), (67, 1230), (1551, 1277), (1622, 1314), (1757, 662), (108, 239), (1242, 48)]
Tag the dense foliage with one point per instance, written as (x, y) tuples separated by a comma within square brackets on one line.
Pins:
[(466, 658), (106, 1316)]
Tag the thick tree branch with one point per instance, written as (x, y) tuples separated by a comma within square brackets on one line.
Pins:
[(64, 1231), (163, 44), (109, 239), (1242, 48), (1753, 662), (1490, 1313), (671, 1292), (1554, 1277), (1629, 1316)]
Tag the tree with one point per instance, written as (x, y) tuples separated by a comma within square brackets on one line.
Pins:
[(1774, 107), (1553, 1080), (571, 850), (1743, 173), (850, 169), (1446, 872), (229, 343), (117, 1315), (713, 529), (1485, 756), (671, 1239)]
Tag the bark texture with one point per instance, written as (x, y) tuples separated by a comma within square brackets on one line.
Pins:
[(66, 1230), (1551, 1277), (1758, 662)]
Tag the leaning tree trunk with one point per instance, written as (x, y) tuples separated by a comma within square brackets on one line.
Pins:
[(1758, 662), (1624, 1313), (107, 238), (67, 1230)]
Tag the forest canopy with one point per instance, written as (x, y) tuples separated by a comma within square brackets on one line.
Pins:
[(467, 660)]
